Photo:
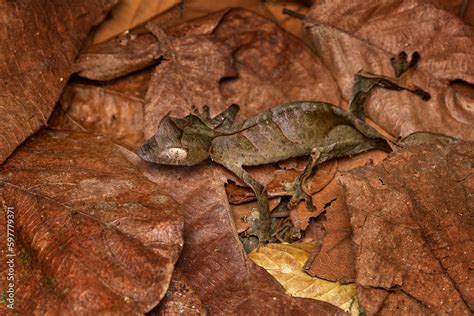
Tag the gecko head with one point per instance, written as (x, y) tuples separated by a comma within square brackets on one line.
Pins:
[(180, 142)]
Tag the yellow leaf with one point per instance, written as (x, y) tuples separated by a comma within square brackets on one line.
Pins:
[(285, 263)]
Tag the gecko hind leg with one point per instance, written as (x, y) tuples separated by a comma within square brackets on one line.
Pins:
[(260, 220), (364, 82), (298, 191)]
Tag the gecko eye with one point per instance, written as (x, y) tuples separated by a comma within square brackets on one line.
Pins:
[(178, 154)]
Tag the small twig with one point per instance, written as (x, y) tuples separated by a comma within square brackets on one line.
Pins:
[(293, 14), (463, 8)]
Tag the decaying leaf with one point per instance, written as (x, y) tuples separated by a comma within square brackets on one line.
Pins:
[(91, 234), (117, 58), (333, 259), (113, 109), (360, 35), (412, 219), (285, 262), (36, 59), (274, 67), (189, 77), (180, 299)]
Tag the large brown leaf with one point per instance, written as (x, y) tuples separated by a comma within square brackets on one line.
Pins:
[(364, 35), (40, 40), (334, 259), (92, 233), (273, 66), (180, 298), (412, 219), (188, 76)]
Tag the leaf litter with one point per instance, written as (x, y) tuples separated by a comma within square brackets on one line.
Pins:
[(239, 56)]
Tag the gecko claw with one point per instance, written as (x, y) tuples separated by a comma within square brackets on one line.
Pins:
[(258, 228), (300, 195)]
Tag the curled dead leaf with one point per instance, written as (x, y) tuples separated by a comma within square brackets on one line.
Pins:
[(333, 259)]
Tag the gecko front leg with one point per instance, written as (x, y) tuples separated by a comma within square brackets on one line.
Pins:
[(260, 221), (225, 120), (297, 188), (364, 82)]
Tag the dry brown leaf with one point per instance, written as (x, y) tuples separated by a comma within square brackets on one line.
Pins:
[(117, 58), (333, 259), (189, 77), (412, 219), (360, 35), (129, 14), (36, 59), (115, 110), (180, 299), (285, 262), (93, 235), (274, 67)]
